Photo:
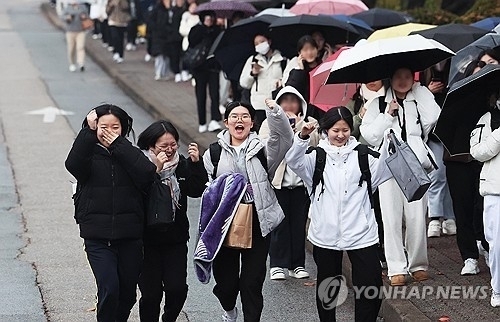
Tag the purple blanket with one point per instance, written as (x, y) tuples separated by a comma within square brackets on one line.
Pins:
[(218, 206)]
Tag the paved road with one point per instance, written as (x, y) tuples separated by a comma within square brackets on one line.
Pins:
[(43, 270)]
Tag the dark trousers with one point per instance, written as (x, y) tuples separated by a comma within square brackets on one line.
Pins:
[(230, 281), (97, 27), (288, 240), (164, 270), (203, 78), (236, 90), (463, 181), (116, 266), (106, 33), (132, 31), (117, 34), (174, 52), (366, 271), (260, 116)]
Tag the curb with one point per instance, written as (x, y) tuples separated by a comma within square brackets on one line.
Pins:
[(391, 310)]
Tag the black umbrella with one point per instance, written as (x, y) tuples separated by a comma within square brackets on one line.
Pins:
[(465, 55), (465, 103), (235, 45), (454, 36), (379, 18), (290, 29), (226, 9)]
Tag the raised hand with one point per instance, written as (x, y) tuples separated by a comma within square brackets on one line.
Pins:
[(193, 152), (92, 120)]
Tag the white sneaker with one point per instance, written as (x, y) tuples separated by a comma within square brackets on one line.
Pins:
[(95, 36), (147, 58), (470, 267), (230, 316), (484, 253), (495, 299), (449, 227), (193, 82), (119, 60), (178, 78), (202, 128), (72, 67), (111, 48), (213, 126), (130, 47), (116, 56), (299, 272), (185, 76), (434, 229), (157, 77), (277, 273), (222, 109)]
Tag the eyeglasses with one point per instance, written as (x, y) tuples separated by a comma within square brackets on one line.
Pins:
[(172, 146), (245, 117)]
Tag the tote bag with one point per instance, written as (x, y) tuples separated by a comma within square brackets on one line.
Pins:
[(239, 235), (407, 169)]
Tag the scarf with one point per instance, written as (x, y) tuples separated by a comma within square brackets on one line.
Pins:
[(167, 176)]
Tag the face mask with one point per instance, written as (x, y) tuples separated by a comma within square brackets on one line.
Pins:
[(262, 48)]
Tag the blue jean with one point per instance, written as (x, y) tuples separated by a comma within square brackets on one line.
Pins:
[(439, 198)]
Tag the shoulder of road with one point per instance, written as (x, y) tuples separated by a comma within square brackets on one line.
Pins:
[(445, 294)]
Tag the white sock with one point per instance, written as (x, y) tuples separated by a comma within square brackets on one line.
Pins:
[(232, 314)]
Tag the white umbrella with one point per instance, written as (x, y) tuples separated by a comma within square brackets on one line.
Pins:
[(379, 59), (279, 12)]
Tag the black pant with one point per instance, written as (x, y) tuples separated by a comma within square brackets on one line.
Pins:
[(260, 116), (97, 27), (229, 280), (366, 271), (463, 180), (164, 270), (236, 90), (132, 31), (117, 34), (174, 52), (106, 32), (204, 77), (288, 240), (116, 266)]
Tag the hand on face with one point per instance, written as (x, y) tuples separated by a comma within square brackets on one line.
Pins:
[(158, 159), (108, 137)]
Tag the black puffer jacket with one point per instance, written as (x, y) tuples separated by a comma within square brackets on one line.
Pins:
[(110, 203), (201, 33), (192, 179), (164, 26)]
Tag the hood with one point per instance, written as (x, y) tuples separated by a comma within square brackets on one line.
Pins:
[(253, 142), (335, 151), (368, 94), (293, 90)]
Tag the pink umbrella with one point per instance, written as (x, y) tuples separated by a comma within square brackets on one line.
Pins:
[(326, 96), (328, 7)]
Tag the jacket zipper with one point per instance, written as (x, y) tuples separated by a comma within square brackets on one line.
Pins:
[(113, 199)]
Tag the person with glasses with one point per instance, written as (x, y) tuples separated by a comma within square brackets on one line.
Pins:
[(243, 271), (165, 248)]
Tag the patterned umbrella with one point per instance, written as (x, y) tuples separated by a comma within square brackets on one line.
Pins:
[(328, 7), (226, 9)]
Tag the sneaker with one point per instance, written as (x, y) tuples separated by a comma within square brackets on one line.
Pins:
[(178, 78), (105, 45), (398, 280), (470, 267), (82, 68), (147, 58), (116, 56), (193, 82), (157, 77), (485, 253), (111, 48), (214, 126), (119, 60), (434, 229), (96, 36), (299, 272), (277, 273), (222, 109), (72, 68), (420, 276), (230, 316), (495, 299), (130, 47), (449, 227), (185, 76), (202, 128)]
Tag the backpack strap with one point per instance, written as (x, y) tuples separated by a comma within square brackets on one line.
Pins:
[(382, 104), (364, 167), (319, 167), (215, 151), (283, 64)]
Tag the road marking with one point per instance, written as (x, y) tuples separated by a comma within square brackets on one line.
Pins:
[(49, 113)]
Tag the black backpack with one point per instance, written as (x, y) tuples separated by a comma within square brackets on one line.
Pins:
[(366, 175), (159, 202), (215, 151)]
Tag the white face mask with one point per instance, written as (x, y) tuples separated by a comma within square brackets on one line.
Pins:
[(262, 48)]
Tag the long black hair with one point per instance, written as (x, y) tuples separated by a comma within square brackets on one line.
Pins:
[(150, 135), (125, 119)]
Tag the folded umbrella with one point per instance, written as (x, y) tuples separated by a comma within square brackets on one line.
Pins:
[(290, 29), (328, 7), (378, 59), (454, 36), (379, 18), (467, 54), (226, 9), (326, 96), (465, 103)]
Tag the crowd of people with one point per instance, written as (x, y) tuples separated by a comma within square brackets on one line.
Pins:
[(270, 110)]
